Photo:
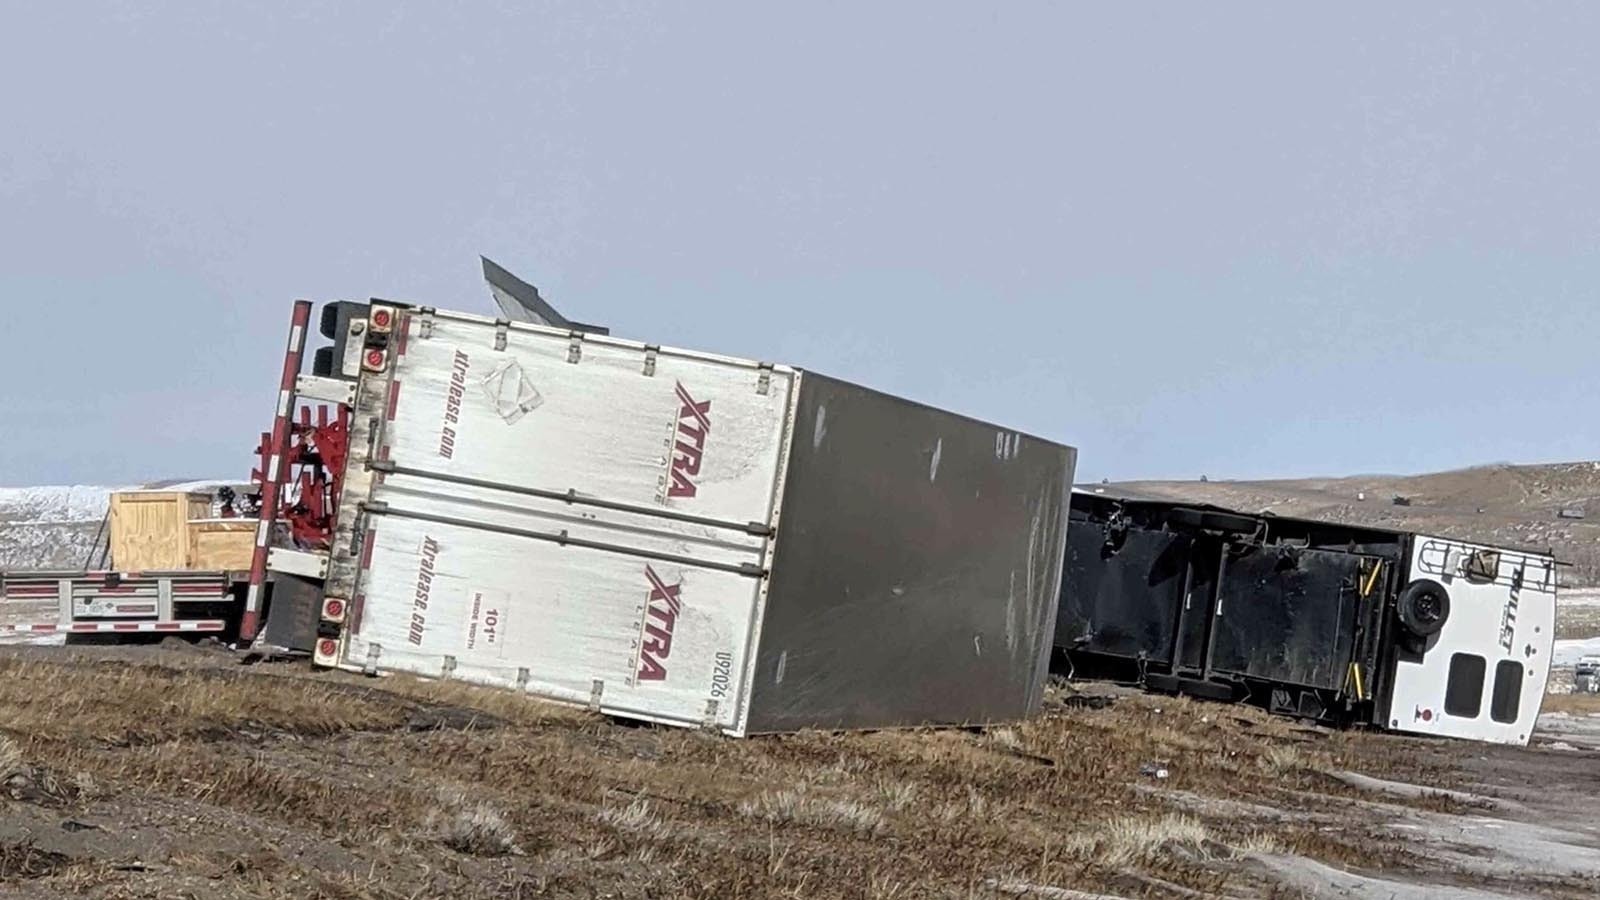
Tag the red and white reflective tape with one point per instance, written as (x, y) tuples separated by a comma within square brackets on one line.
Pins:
[(96, 627), (273, 476), (400, 332), (83, 591)]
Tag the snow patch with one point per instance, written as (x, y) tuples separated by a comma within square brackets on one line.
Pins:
[(53, 504), (50, 527)]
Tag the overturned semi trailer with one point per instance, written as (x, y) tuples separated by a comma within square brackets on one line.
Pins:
[(1342, 624), (673, 536)]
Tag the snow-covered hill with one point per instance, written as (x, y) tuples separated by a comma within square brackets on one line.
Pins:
[(55, 527), (50, 527)]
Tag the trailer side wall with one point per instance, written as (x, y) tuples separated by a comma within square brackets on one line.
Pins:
[(917, 567)]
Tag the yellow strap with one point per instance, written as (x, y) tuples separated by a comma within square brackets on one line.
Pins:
[(1372, 579)]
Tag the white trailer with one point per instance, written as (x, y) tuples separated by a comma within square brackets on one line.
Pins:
[(674, 536)]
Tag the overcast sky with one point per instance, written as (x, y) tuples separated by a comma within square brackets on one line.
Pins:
[(1200, 238)]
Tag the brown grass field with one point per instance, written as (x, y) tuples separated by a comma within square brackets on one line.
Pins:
[(167, 772)]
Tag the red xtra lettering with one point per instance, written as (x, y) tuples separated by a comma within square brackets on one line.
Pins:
[(688, 449), (660, 617)]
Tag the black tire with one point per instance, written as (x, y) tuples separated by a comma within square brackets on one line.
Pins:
[(1423, 607)]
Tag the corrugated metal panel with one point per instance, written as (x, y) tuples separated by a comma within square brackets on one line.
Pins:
[(917, 567)]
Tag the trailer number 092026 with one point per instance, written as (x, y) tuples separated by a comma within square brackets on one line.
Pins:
[(722, 676)]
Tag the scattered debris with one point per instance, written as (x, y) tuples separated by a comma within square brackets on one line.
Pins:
[(1154, 770)]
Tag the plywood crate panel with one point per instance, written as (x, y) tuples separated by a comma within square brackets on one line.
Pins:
[(221, 544), (149, 529)]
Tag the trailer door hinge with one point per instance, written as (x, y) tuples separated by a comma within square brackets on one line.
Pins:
[(596, 688), (650, 353), (501, 327), (574, 346), (425, 322), (764, 379), (448, 668)]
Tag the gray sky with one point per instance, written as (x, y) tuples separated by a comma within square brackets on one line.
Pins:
[(1198, 238)]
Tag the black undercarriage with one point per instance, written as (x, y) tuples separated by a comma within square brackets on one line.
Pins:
[(1291, 615)]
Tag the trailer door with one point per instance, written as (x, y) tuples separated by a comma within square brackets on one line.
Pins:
[(586, 519), (1483, 675), (1286, 617)]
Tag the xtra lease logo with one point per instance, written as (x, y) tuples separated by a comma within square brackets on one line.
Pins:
[(661, 608), (419, 601), (452, 404), (688, 443)]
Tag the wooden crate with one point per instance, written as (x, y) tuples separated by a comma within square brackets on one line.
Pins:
[(149, 530), (224, 545)]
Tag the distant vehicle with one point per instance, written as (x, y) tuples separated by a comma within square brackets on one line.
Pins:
[(1340, 624), (1586, 678)]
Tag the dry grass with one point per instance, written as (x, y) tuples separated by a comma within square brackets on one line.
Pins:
[(385, 788), (1283, 760), (147, 704), (1256, 842), (1571, 704), (797, 806), (471, 827), (10, 759), (636, 818), (1132, 840)]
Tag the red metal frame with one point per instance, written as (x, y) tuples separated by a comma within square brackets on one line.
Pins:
[(272, 476), (314, 466)]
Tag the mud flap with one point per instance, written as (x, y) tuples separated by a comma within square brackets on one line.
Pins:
[(293, 610)]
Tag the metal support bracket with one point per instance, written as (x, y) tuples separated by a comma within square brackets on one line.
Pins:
[(298, 562), (328, 390)]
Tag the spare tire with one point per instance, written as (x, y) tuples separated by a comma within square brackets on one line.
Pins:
[(1423, 607)]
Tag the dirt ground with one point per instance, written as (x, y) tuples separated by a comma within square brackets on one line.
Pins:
[(175, 771)]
